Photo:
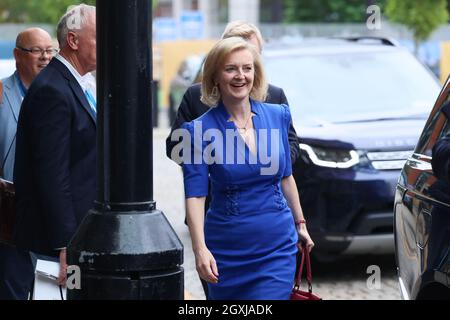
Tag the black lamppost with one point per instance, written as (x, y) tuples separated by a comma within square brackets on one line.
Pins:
[(125, 248)]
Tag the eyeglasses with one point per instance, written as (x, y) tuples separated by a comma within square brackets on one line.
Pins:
[(38, 52)]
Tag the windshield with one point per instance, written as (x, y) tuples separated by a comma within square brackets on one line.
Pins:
[(326, 88)]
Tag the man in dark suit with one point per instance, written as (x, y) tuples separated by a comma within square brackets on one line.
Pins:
[(191, 107), (55, 165)]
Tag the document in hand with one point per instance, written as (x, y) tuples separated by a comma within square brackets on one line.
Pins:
[(46, 282)]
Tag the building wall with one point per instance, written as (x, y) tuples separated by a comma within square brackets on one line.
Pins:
[(215, 11), (172, 54), (247, 10), (445, 61)]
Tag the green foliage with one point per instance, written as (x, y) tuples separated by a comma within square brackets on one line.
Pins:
[(327, 10), (421, 17), (32, 11)]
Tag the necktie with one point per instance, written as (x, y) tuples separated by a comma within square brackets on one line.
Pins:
[(91, 100)]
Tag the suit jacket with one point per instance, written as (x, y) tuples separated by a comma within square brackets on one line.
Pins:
[(9, 115), (191, 108), (55, 166)]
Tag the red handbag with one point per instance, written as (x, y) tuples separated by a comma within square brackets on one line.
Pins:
[(296, 293)]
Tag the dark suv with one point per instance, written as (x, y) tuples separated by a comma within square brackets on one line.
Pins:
[(422, 210), (358, 106)]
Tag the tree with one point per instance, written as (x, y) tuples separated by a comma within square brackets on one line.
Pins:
[(421, 17), (31, 11), (327, 10)]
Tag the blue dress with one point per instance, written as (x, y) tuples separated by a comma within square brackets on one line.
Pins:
[(249, 227)]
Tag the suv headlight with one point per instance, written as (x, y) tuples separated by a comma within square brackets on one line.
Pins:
[(331, 158)]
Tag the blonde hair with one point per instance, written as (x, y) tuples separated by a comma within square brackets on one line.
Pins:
[(244, 30), (214, 63)]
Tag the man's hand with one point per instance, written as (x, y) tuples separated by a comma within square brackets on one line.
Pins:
[(62, 268)]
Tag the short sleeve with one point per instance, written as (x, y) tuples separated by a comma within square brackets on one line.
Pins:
[(195, 170), (287, 119)]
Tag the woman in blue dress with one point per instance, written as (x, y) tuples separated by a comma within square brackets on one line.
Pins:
[(246, 246)]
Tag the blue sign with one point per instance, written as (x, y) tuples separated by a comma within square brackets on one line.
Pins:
[(192, 25), (165, 29)]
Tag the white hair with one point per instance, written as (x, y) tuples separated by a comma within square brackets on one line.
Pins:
[(75, 19)]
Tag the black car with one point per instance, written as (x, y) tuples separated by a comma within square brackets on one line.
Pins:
[(358, 106), (422, 211)]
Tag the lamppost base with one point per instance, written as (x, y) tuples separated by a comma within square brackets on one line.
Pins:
[(127, 255)]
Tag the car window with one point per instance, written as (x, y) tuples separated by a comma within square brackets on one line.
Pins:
[(351, 86), (436, 126)]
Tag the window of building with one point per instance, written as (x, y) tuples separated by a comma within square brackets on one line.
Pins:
[(223, 11), (163, 9), (271, 11)]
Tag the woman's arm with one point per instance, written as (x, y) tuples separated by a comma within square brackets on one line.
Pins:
[(290, 192), (205, 262)]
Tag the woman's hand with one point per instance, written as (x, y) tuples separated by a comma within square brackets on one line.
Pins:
[(304, 237), (206, 265)]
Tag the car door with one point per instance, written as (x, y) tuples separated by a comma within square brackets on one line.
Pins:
[(415, 203)]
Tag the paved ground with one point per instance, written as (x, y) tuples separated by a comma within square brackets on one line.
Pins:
[(342, 280)]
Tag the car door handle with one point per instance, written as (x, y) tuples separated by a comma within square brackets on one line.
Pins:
[(422, 157)]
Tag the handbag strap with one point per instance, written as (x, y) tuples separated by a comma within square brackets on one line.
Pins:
[(7, 155), (305, 258), (308, 265)]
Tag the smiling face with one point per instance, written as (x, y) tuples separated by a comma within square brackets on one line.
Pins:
[(30, 64), (236, 76)]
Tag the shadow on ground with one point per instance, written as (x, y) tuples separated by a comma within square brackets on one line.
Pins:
[(354, 267)]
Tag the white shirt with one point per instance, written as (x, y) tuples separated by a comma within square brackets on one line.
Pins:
[(90, 83), (72, 70), (86, 82)]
